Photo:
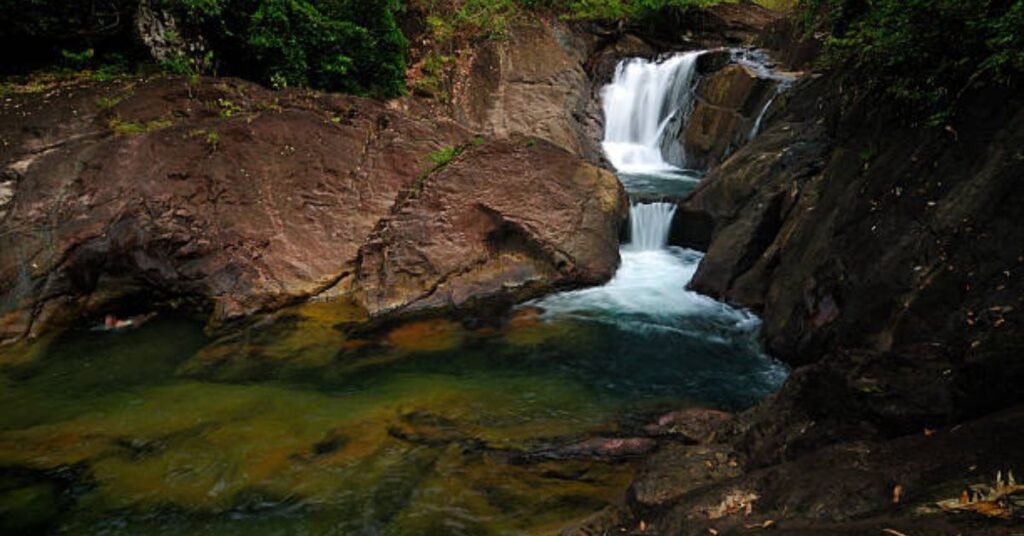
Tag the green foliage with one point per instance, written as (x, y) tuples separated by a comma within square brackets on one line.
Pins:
[(443, 156), (108, 102), (132, 128), (434, 71), (340, 45), (924, 53), (228, 109), (618, 9)]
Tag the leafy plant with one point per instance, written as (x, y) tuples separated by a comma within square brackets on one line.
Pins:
[(132, 128), (443, 156), (341, 45), (923, 53)]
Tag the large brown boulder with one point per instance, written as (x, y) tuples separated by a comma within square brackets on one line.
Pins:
[(532, 83), (728, 103), (507, 217), (232, 196)]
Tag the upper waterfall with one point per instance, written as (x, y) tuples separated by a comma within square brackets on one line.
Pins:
[(643, 100)]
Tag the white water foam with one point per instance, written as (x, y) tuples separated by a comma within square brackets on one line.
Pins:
[(643, 101)]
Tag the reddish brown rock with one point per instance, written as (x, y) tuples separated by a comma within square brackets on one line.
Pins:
[(509, 218), (727, 106), (247, 199)]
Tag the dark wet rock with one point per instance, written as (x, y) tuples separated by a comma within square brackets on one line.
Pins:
[(883, 260), (677, 469), (728, 102), (608, 448), (691, 425), (713, 61), (855, 481)]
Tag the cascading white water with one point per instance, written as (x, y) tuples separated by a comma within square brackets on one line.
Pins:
[(649, 225), (642, 101), (646, 103)]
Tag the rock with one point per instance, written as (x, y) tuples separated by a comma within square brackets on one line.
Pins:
[(249, 200), (867, 278), (531, 84), (503, 219), (676, 469), (601, 64), (854, 480), (728, 103), (606, 448), (692, 425), (713, 61)]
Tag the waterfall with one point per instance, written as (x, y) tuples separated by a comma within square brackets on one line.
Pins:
[(779, 90), (760, 117), (646, 102), (649, 225)]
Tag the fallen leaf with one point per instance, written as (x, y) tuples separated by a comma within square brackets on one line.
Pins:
[(643, 526), (897, 493), (894, 532)]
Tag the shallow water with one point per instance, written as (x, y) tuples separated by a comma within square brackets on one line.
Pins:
[(295, 428)]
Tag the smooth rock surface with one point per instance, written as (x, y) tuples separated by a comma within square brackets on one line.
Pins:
[(223, 193)]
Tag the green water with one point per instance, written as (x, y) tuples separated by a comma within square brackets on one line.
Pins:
[(296, 428)]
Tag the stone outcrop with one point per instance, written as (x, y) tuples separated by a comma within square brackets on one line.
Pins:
[(224, 193), (543, 79), (884, 260), (509, 217), (728, 102), (532, 83)]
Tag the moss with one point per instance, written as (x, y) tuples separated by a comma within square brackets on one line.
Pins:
[(134, 128)]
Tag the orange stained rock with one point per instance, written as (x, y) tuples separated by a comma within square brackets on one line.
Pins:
[(426, 336)]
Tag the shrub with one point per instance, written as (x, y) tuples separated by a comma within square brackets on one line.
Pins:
[(339, 45), (924, 53)]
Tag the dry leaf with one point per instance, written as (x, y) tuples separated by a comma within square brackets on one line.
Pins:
[(897, 493), (894, 532), (643, 525)]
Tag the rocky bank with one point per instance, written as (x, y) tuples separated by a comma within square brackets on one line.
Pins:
[(885, 259), (241, 200)]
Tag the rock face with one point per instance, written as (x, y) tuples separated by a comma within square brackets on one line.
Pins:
[(544, 79), (503, 218), (884, 261), (532, 83), (728, 103), (223, 192)]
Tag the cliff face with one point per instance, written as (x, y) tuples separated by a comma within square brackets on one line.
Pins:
[(885, 261), (847, 231)]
